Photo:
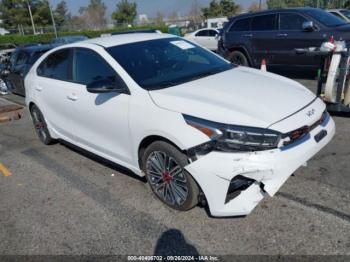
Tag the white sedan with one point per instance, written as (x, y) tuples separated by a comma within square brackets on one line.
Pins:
[(206, 37), (199, 128)]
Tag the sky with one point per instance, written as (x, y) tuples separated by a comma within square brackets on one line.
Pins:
[(149, 7)]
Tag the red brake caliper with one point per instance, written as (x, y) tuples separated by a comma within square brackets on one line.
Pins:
[(40, 125)]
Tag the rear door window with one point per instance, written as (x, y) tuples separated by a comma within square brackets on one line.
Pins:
[(291, 21), (212, 33), (203, 33), (264, 23), (57, 65), (241, 25)]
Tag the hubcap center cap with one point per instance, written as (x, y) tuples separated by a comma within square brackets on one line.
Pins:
[(167, 178)]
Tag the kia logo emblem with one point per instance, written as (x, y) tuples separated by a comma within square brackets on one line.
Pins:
[(311, 113)]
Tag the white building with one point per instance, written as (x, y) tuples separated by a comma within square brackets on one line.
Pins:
[(143, 19), (3, 31), (217, 22)]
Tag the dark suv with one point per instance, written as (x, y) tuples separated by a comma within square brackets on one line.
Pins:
[(279, 36)]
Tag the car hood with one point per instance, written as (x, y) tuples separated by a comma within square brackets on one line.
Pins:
[(241, 96)]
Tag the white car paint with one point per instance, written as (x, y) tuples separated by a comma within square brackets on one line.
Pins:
[(229, 102), (241, 96), (205, 37)]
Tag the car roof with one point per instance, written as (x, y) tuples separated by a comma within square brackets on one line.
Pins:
[(136, 31), (271, 11), (122, 39)]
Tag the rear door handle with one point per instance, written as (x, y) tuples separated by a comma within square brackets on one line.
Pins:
[(282, 35), (248, 35), (72, 97), (38, 88)]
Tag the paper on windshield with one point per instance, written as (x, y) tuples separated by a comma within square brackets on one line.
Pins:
[(182, 44)]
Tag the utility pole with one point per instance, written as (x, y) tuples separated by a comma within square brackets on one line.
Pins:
[(52, 18), (260, 5), (31, 17)]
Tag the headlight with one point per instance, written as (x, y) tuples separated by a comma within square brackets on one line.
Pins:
[(232, 138)]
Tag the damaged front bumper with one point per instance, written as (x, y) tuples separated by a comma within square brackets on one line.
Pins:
[(264, 172)]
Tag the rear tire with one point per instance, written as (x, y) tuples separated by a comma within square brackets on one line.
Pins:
[(40, 126), (164, 165), (238, 58)]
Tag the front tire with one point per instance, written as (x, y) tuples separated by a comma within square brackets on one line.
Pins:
[(40, 126), (164, 165)]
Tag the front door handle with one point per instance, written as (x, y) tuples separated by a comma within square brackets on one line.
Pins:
[(72, 97), (38, 88), (282, 35), (248, 35)]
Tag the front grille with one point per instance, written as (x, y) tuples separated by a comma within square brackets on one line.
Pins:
[(301, 132)]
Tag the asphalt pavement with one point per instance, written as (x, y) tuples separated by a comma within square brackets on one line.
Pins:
[(62, 201)]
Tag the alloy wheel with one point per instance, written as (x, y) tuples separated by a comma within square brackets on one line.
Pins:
[(39, 124), (167, 178)]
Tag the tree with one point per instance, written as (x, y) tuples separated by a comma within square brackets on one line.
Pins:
[(299, 3), (61, 13), (14, 13), (254, 7), (271, 4), (221, 8), (76, 22), (229, 7), (347, 4), (94, 15), (125, 13), (195, 13), (173, 16), (213, 9), (41, 13), (159, 18)]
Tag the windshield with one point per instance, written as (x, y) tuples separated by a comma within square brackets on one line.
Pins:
[(325, 18), (346, 13), (162, 63)]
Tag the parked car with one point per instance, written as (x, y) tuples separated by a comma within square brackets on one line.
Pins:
[(19, 64), (6, 51), (275, 35), (341, 13), (69, 39), (198, 127), (206, 37)]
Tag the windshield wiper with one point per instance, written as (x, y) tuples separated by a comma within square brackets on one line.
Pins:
[(161, 86), (209, 73)]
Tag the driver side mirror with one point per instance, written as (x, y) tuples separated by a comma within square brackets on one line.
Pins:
[(308, 26), (103, 86)]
